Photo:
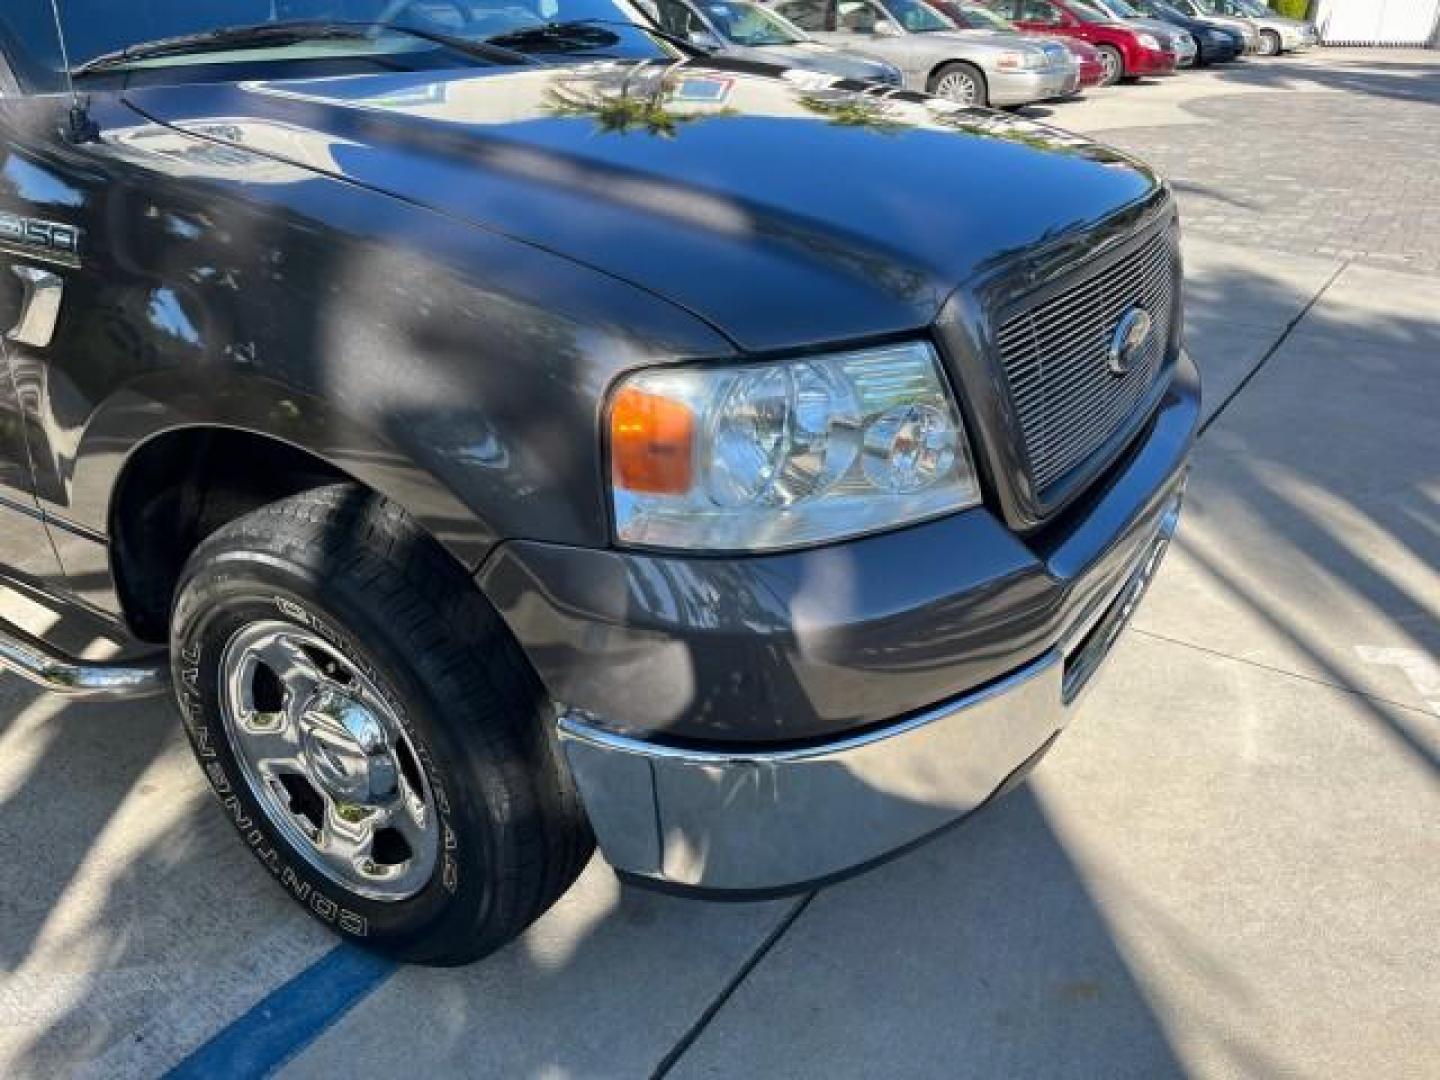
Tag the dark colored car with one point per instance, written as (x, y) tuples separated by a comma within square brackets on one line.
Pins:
[(1215, 43), (1127, 52), (504, 432), (972, 15), (745, 29), (1245, 28)]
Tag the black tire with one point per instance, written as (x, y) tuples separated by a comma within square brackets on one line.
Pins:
[(346, 565), (1269, 43), (960, 73), (1114, 61)]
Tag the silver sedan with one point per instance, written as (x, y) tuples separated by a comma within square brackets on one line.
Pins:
[(936, 56)]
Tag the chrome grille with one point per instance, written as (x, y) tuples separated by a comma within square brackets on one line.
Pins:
[(1054, 355)]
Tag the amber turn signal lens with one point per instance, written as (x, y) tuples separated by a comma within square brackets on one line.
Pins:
[(651, 443)]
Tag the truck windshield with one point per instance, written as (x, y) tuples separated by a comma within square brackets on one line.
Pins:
[(174, 32)]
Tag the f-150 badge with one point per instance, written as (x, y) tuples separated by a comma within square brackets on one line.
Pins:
[(44, 235)]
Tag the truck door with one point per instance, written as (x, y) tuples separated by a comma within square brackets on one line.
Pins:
[(51, 195), (25, 547)]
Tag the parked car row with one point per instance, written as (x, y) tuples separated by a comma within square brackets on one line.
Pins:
[(1000, 52)]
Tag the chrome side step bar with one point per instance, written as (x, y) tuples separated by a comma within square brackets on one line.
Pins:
[(44, 665)]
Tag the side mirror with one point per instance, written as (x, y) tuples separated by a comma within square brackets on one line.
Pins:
[(703, 39), (886, 29)]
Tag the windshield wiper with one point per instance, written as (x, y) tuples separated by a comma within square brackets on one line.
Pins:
[(565, 29), (285, 33)]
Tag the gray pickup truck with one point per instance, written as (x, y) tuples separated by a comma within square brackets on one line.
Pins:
[(502, 430)]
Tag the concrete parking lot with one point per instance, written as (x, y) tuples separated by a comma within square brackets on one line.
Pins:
[(1230, 865)]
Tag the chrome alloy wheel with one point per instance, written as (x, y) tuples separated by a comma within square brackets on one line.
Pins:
[(958, 86), (1112, 63), (328, 761)]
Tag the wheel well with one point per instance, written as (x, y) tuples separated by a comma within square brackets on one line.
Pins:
[(934, 75), (180, 487)]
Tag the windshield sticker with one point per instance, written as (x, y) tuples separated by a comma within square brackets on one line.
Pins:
[(703, 89), (810, 80)]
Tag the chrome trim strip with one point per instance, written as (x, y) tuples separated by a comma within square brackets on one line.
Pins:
[(573, 724), (40, 309), (42, 664)]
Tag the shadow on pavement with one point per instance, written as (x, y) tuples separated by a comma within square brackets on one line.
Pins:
[(980, 954), (1411, 82)]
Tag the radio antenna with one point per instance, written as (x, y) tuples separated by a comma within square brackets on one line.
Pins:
[(80, 128)]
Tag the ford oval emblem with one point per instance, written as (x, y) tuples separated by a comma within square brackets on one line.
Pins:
[(1130, 337)]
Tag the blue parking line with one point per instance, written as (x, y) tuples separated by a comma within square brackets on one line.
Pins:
[(289, 1018)]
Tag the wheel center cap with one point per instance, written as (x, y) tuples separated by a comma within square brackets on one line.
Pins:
[(346, 750)]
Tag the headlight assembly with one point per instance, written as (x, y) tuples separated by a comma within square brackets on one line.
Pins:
[(1030, 59), (1148, 41), (787, 453)]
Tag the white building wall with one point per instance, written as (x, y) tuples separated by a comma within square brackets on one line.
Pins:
[(1378, 22)]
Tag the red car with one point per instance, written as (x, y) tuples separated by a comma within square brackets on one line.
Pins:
[(1126, 51), (969, 15), (1093, 71)]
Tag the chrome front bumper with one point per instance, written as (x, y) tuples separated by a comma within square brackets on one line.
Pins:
[(772, 821), (1024, 87)]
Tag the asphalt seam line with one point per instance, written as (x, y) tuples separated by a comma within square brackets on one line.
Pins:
[(1284, 672), (696, 1029), (1274, 348)]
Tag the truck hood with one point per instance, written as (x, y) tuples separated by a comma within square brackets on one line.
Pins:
[(781, 213)]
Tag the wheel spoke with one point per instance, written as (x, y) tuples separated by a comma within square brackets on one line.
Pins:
[(409, 815), (347, 835), (270, 740), (297, 672)]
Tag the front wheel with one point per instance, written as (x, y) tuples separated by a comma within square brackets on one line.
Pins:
[(960, 83), (1269, 43), (1113, 63), (371, 730)]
